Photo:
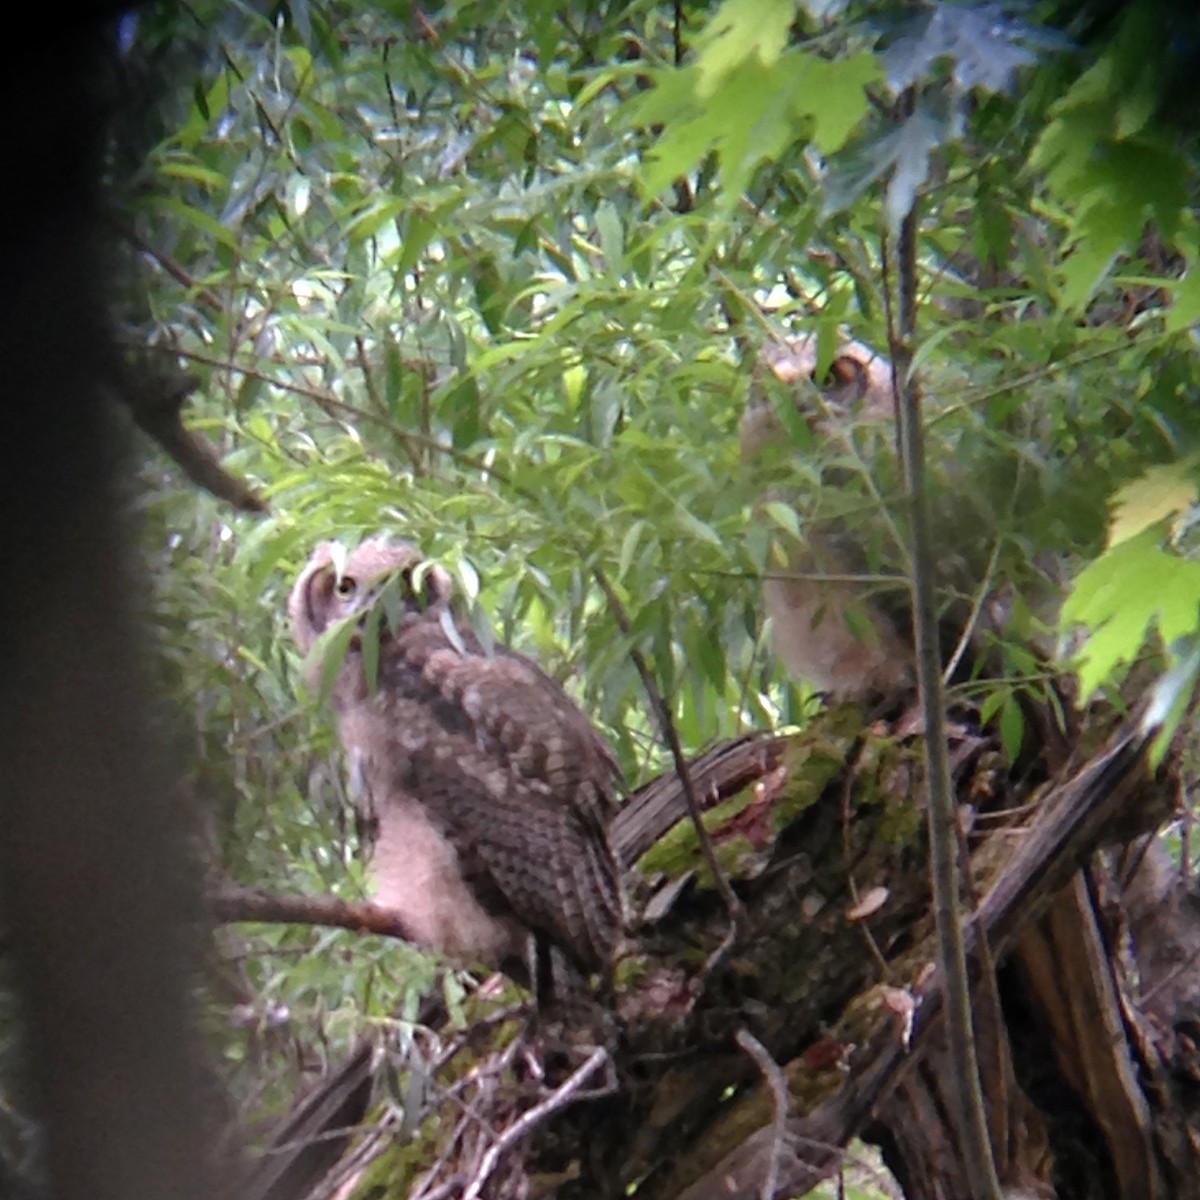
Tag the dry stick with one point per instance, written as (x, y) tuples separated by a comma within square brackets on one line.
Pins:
[(559, 1098), (943, 833), (737, 914), (228, 902), (354, 1162), (444, 1189), (781, 1098), (425, 1189)]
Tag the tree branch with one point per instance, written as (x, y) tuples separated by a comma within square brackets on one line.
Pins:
[(1073, 820), (733, 905), (943, 832), (559, 1098), (232, 903)]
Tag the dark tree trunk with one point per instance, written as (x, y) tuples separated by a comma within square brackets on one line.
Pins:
[(100, 902)]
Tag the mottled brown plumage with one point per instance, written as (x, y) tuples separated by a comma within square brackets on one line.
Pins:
[(836, 633), (491, 790), (837, 594)]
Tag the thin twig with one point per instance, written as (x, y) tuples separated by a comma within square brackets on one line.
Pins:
[(424, 1189), (364, 365), (380, 406), (559, 1098), (733, 905), (204, 295), (340, 410), (443, 1189), (968, 630), (1188, 963), (856, 579), (943, 826), (781, 1099)]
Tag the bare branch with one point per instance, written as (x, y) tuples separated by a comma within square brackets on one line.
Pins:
[(232, 903), (782, 1101), (943, 830), (559, 1098), (737, 916)]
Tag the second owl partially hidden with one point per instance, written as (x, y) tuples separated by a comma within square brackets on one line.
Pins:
[(491, 791)]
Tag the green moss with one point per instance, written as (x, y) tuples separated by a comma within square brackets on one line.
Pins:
[(743, 837)]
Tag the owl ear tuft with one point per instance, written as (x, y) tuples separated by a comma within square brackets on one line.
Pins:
[(309, 600), (430, 584), (439, 587)]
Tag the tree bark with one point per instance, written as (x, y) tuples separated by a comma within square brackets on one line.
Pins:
[(1087, 1082), (101, 899)]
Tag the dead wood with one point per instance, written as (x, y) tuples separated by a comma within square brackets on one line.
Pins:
[(823, 839), (313, 1136), (230, 902), (155, 394), (1073, 819)]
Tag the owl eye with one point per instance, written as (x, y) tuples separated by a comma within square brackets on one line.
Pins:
[(844, 370), (845, 382), (346, 587)]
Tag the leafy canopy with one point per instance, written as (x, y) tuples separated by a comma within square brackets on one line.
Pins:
[(495, 279)]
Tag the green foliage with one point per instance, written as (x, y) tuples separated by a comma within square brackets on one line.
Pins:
[(1105, 161), (1141, 587), (749, 100), (424, 268)]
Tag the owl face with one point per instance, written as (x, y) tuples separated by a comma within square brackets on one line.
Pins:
[(857, 382), (334, 585), (855, 390)]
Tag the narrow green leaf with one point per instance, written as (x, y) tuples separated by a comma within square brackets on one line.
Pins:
[(1012, 728), (995, 699), (629, 545), (369, 643), (330, 651), (369, 221), (612, 238), (696, 527), (195, 217), (192, 172), (784, 515)]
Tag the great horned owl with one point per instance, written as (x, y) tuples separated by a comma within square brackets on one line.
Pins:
[(491, 790), (844, 637)]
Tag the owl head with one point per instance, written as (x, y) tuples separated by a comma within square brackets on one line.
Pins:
[(855, 386), (857, 381), (335, 585)]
